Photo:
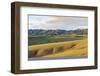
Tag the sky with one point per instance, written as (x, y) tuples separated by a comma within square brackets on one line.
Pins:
[(57, 22)]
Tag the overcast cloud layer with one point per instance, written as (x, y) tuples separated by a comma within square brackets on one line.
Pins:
[(57, 22)]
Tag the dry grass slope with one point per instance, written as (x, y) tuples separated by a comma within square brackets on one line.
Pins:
[(60, 49)]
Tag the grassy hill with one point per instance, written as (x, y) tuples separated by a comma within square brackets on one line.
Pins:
[(60, 49)]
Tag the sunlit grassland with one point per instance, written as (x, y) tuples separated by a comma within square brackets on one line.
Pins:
[(60, 49)]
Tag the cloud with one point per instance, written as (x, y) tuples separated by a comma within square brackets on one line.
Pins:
[(57, 22)]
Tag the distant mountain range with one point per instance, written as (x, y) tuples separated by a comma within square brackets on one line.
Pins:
[(36, 32)]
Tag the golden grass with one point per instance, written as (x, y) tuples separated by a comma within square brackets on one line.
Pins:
[(70, 48)]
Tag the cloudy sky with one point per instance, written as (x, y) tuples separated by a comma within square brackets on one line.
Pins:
[(57, 22)]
